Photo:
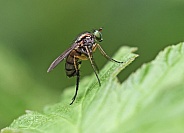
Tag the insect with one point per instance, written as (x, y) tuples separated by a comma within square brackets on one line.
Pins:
[(82, 49)]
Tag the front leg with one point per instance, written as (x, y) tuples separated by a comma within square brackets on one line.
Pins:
[(106, 56)]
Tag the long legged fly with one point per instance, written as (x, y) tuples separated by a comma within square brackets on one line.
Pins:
[(82, 49)]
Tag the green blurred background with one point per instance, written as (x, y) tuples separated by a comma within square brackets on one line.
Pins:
[(33, 33)]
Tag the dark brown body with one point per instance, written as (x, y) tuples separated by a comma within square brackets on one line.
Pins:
[(79, 53), (69, 64)]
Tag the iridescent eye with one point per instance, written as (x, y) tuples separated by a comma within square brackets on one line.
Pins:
[(98, 35)]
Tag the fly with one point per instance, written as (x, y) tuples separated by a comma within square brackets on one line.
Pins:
[(82, 49)]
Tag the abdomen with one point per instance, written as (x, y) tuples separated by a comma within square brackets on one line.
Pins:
[(69, 65)]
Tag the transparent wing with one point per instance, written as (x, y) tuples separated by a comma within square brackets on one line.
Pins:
[(61, 57)]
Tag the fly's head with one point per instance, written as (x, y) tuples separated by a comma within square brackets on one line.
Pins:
[(98, 35)]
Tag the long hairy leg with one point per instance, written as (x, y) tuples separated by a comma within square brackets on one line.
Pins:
[(105, 55), (93, 64), (77, 80)]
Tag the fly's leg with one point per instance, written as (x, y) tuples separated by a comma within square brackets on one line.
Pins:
[(105, 55), (93, 49), (93, 64), (77, 81)]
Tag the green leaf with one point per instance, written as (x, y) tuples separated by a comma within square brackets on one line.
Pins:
[(66, 117), (150, 100)]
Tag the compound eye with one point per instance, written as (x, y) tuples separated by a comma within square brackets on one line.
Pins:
[(98, 35)]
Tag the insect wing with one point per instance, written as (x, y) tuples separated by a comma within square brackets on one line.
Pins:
[(61, 57)]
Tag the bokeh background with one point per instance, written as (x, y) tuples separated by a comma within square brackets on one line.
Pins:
[(33, 33)]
